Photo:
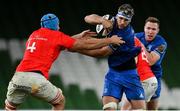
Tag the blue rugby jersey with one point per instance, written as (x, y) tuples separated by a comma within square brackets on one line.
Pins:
[(123, 56), (159, 46)]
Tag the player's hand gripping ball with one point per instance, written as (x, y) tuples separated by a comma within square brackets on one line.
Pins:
[(100, 30)]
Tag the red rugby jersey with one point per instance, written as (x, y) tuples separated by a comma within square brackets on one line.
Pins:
[(143, 68), (42, 49)]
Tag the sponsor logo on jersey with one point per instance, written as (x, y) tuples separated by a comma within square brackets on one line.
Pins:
[(161, 48), (141, 95)]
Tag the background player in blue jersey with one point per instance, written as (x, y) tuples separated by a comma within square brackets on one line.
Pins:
[(156, 48), (122, 75)]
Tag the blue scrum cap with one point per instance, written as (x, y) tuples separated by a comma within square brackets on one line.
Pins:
[(50, 21), (126, 11)]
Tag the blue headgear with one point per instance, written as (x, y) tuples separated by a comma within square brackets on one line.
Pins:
[(50, 21)]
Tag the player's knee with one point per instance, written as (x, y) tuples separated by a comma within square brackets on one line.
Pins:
[(59, 99), (9, 105), (62, 100), (111, 106)]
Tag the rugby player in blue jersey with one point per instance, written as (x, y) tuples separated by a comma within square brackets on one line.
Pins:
[(122, 74), (156, 47)]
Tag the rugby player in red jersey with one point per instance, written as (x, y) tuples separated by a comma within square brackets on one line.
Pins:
[(42, 48), (148, 79)]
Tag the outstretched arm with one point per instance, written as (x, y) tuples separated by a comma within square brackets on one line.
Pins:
[(84, 34), (93, 43), (101, 52)]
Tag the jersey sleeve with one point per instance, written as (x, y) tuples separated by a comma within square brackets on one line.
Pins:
[(160, 49), (65, 40), (160, 46)]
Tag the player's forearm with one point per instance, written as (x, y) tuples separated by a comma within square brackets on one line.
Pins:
[(93, 19), (97, 43), (92, 53), (152, 57), (77, 36), (90, 44), (101, 52)]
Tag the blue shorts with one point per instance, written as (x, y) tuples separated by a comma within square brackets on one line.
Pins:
[(158, 91), (117, 82)]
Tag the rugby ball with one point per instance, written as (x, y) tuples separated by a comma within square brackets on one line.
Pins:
[(101, 32)]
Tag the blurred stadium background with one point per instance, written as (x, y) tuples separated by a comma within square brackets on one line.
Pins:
[(81, 77)]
